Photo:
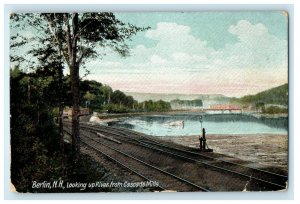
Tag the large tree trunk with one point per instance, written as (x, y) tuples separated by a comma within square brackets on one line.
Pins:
[(61, 109), (75, 113), (75, 80)]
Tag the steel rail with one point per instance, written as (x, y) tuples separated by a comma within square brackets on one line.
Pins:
[(216, 167), (199, 154), (119, 163), (218, 159), (200, 162), (116, 161), (151, 166)]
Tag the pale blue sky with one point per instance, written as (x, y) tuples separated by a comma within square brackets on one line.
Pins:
[(230, 53), (209, 26)]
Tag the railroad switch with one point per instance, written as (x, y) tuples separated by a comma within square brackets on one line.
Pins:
[(203, 145)]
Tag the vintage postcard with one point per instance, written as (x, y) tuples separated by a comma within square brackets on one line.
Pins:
[(149, 101)]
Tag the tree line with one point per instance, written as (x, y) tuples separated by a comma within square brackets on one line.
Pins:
[(187, 103), (69, 40), (37, 153), (58, 43), (101, 98), (271, 101), (37, 148)]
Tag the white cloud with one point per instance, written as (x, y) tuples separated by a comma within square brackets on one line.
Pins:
[(244, 29), (177, 47), (155, 59), (256, 59), (257, 48)]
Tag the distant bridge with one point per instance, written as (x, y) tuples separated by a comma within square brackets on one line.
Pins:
[(224, 108)]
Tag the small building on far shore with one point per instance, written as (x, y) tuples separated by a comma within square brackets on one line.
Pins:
[(67, 113)]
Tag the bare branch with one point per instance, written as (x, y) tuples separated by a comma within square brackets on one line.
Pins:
[(68, 37), (57, 40)]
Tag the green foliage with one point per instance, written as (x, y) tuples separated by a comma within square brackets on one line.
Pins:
[(55, 32), (114, 108), (35, 142), (89, 96), (272, 101), (59, 39), (118, 97), (146, 106), (277, 95), (154, 106), (32, 129), (192, 103), (274, 110)]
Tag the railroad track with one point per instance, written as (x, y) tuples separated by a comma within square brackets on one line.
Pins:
[(272, 181), (122, 165), (171, 181)]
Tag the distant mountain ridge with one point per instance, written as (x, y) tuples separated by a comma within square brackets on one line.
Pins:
[(208, 99), (277, 95), (169, 97)]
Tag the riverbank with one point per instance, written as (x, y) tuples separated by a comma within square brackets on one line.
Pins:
[(117, 116), (171, 112), (264, 150)]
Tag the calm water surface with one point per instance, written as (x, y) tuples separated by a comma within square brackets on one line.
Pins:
[(178, 125)]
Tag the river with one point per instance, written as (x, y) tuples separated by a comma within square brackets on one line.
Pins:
[(189, 124)]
